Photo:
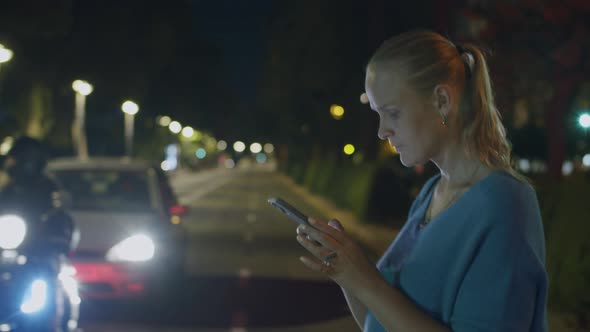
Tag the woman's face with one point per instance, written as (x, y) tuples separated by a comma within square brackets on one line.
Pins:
[(409, 121)]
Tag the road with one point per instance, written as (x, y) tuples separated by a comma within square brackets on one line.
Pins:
[(243, 271)]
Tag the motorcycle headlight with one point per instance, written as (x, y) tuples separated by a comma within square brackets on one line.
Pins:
[(35, 298), (137, 248), (12, 231)]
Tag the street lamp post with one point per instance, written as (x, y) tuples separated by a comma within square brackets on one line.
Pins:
[(130, 109), (82, 89)]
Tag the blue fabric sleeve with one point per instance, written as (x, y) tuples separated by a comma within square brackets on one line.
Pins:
[(499, 290)]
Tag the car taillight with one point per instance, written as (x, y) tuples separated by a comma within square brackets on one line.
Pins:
[(178, 210)]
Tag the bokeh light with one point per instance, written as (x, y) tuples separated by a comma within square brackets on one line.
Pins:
[(175, 127), (255, 147), (269, 148), (201, 153), (349, 149), (188, 132), (239, 146), (221, 145), (164, 121), (337, 111)]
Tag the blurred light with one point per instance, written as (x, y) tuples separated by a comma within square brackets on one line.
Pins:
[(524, 165), (175, 127), (164, 121), (261, 158), (364, 98), (348, 149), (36, 297), (175, 220), (201, 153), (255, 147), (221, 145), (188, 132), (136, 248), (586, 160), (6, 145), (166, 166), (337, 111), (5, 54), (269, 148), (82, 87), (5, 328), (229, 163), (130, 107), (239, 146), (567, 168), (584, 120), (12, 231), (538, 166), (68, 280)]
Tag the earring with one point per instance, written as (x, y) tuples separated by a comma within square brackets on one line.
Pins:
[(444, 119)]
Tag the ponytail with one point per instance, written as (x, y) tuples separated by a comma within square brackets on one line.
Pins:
[(483, 132)]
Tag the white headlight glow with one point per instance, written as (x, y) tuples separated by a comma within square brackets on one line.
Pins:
[(12, 231), (137, 248), (35, 298)]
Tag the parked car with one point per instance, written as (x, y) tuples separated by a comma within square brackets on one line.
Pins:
[(131, 234)]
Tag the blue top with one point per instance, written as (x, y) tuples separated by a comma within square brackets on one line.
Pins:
[(479, 265)]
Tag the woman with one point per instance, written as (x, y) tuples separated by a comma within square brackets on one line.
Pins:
[(471, 256)]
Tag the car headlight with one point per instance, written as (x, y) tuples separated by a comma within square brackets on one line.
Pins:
[(12, 231), (35, 298), (137, 248)]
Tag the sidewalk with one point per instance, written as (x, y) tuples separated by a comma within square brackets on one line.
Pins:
[(376, 238)]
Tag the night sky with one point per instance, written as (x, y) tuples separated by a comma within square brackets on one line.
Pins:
[(249, 70)]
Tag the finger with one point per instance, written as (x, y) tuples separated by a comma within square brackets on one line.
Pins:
[(336, 224), (324, 227), (318, 251), (316, 265), (324, 239)]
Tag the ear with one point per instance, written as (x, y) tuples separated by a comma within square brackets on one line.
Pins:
[(443, 99)]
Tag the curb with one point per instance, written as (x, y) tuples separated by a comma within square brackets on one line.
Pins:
[(376, 238)]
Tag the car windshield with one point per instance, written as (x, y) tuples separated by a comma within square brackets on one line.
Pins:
[(99, 189)]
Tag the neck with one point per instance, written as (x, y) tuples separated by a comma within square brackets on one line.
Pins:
[(457, 169)]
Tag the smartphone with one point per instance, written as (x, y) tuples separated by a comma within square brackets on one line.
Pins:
[(289, 210)]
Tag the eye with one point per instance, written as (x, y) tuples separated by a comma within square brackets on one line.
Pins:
[(393, 113)]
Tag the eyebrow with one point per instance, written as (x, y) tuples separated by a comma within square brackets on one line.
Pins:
[(381, 108)]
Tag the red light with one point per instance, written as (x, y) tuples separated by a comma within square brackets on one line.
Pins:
[(178, 210), (136, 287)]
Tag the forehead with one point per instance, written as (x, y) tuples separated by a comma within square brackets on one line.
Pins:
[(384, 87)]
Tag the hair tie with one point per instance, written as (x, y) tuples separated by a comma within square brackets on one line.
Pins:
[(468, 60)]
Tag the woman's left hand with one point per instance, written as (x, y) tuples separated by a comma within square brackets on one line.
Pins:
[(348, 265)]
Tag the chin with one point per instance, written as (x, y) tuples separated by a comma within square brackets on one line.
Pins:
[(410, 161)]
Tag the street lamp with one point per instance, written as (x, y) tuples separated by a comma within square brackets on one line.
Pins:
[(82, 89), (584, 120), (130, 109), (5, 54)]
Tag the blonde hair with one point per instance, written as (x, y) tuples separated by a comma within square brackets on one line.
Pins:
[(427, 59)]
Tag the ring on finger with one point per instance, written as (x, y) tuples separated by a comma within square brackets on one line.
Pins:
[(328, 257)]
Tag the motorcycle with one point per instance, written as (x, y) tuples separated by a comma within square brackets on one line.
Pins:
[(38, 288)]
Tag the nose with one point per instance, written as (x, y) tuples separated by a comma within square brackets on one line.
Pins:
[(384, 132)]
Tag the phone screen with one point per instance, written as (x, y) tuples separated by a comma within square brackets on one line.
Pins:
[(289, 210)]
